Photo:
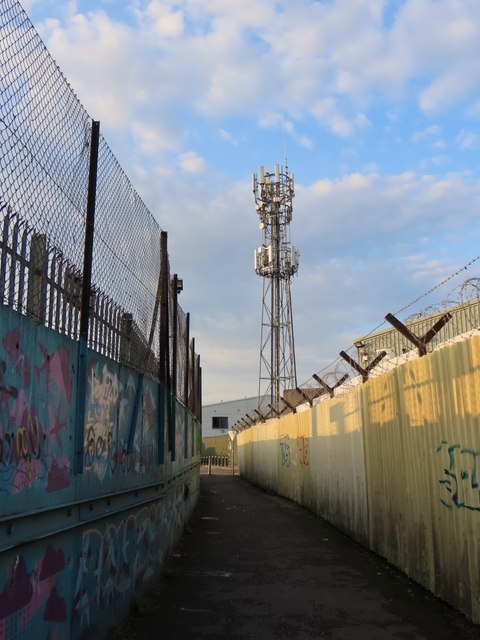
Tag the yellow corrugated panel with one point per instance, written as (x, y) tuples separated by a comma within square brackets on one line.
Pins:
[(421, 474), (381, 406), (407, 444), (328, 417), (420, 392), (466, 384)]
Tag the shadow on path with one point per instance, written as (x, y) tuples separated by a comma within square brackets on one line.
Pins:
[(255, 565)]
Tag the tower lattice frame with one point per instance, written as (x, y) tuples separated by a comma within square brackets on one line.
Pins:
[(276, 261)]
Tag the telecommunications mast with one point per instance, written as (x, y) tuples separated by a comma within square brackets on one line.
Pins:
[(275, 261)]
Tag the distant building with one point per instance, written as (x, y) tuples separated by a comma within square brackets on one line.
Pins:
[(218, 418)]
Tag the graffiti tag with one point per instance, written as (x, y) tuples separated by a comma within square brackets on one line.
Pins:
[(459, 483)]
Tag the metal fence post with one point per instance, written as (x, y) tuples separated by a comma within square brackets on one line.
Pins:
[(85, 301), (36, 293), (126, 338), (163, 349)]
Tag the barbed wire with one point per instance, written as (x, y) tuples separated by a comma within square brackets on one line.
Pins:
[(465, 320)]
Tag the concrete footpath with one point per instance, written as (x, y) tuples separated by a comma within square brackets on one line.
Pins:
[(254, 565)]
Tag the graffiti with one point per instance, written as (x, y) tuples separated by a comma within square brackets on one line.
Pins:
[(102, 419), (459, 483), (104, 393), (116, 559), (285, 450), (6, 392), (12, 347), (33, 593), (108, 423), (32, 423), (303, 451), (99, 445), (293, 455), (49, 585), (56, 366)]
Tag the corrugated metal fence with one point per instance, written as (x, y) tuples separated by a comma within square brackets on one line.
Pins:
[(394, 463)]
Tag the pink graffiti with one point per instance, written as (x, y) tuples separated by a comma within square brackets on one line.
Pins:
[(57, 368), (19, 408), (18, 590), (44, 591), (6, 391), (30, 592), (11, 344), (57, 426), (58, 475)]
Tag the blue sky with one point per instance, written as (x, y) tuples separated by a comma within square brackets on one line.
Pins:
[(377, 104)]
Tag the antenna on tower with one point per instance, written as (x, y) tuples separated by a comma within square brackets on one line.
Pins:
[(276, 261)]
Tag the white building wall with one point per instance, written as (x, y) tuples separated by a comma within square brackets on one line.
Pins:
[(231, 409)]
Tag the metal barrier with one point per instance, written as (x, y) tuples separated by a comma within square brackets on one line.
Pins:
[(216, 460)]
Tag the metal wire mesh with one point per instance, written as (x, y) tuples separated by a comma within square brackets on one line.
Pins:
[(45, 139), (129, 266)]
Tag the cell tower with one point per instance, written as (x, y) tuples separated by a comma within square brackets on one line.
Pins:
[(276, 261)]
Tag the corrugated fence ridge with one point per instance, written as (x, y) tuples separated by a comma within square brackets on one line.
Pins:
[(394, 463)]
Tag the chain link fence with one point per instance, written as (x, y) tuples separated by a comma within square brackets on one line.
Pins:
[(45, 147)]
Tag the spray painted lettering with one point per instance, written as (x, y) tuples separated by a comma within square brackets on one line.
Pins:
[(303, 451), (33, 417), (108, 422), (116, 559), (285, 450), (295, 455), (459, 483)]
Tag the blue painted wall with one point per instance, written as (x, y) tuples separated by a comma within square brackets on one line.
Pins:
[(75, 548)]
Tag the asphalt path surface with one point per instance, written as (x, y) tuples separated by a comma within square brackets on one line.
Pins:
[(254, 565)]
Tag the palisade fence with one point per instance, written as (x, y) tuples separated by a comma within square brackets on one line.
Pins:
[(59, 182)]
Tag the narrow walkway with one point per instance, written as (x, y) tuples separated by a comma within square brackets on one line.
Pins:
[(255, 565)]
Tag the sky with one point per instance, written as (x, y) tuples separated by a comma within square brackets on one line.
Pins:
[(376, 106)]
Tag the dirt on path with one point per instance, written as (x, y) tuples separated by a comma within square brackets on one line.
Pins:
[(254, 565)]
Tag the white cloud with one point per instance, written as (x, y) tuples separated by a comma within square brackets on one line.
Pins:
[(108, 71), (228, 137), (191, 162), (166, 20), (330, 60), (433, 130), (186, 75), (467, 139), (153, 140)]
